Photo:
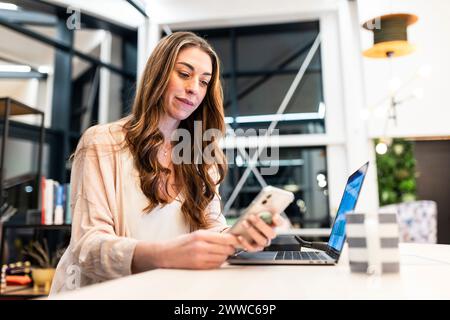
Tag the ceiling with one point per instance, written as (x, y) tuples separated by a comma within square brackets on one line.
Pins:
[(24, 50), (118, 11)]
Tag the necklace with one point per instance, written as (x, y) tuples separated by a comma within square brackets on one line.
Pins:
[(165, 150)]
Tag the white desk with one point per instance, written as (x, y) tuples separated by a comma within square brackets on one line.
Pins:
[(425, 274)]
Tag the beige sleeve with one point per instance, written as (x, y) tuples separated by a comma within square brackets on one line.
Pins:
[(97, 245)]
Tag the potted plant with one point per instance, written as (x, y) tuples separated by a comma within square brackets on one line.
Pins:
[(43, 274), (397, 173)]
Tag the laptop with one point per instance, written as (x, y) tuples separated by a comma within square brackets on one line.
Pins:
[(333, 249)]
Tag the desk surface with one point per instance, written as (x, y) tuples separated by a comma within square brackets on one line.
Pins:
[(22, 292), (425, 274)]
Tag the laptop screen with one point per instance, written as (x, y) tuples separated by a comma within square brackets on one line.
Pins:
[(348, 203)]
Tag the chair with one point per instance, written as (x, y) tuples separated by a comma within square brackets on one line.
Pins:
[(417, 220)]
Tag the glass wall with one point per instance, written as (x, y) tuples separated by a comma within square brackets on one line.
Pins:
[(259, 64), (299, 170)]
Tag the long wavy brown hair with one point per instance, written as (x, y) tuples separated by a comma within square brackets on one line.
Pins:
[(143, 137)]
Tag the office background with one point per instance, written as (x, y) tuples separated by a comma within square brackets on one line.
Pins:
[(81, 59)]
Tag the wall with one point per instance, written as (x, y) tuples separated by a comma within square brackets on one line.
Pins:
[(22, 90), (28, 91), (418, 117), (179, 14), (433, 158)]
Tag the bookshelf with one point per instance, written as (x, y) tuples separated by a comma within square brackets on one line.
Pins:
[(34, 228), (21, 190), (11, 111)]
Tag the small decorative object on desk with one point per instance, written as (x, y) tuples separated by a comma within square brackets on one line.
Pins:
[(3, 278), (43, 275), (15, 274), (373, 242)]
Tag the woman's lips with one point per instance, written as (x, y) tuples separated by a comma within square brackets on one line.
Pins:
[(185, 101)]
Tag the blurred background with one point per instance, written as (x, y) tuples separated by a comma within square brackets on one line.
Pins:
[(343, 81)]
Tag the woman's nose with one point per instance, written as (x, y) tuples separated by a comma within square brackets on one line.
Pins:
[(192, 87)]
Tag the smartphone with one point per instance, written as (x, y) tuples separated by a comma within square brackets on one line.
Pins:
[(269, 201)]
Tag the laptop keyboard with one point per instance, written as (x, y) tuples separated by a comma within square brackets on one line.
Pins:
[(296, 255)]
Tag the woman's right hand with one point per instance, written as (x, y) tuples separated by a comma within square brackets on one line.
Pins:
[(201, 249)]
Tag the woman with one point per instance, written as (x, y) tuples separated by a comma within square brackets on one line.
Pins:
[(134, 207)]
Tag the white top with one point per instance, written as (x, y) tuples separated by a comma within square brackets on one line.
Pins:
[(107, 205), (162, 223)]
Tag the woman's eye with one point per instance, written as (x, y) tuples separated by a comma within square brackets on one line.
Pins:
[(184, 74), (205, 83)]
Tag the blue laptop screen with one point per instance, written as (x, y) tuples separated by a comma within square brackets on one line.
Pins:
[(348, 203)]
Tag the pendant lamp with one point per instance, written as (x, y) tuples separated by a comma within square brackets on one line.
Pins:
[(390, 35)]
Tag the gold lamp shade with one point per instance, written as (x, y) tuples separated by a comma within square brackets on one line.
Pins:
[(390, 35)]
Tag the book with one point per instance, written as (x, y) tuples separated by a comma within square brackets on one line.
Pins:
[(49, 196), (59, 209), (51, 191), (43, 200), (55, 202), (67, 210)]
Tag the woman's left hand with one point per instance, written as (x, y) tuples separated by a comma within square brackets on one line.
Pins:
[(260, 232)]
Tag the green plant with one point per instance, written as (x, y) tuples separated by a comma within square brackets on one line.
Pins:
[(41, 254), (397, 173)]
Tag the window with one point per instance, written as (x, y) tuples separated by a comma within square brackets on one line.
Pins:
[(299, 170), (259, 65)]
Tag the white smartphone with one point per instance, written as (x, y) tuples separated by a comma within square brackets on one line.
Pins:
[(269, 201)]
